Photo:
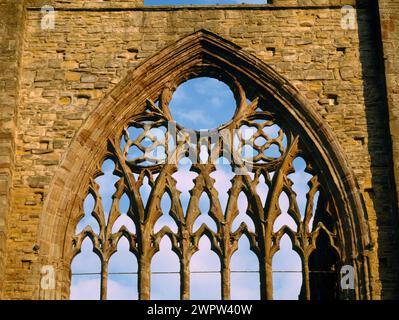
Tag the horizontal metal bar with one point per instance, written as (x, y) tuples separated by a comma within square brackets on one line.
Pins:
[(194, 272)]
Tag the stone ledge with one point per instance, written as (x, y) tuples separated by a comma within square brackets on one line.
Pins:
[(112, 5), (243, 7), (314, 2), (85, 3)]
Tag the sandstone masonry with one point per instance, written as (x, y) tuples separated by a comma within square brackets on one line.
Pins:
[(52, 80)]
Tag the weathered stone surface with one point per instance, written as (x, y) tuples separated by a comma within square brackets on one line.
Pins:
[(389, 15), (11, 32), (57, 78)]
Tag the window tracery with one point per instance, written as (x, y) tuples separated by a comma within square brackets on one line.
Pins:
[(262, 151)]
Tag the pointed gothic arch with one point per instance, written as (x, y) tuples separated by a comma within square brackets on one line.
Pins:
[(199, 54)]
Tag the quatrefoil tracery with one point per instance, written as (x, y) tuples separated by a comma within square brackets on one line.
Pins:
[(168, 142)]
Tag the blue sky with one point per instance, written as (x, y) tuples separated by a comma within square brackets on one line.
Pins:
[(210, 103), (203, 94), (199, 2)]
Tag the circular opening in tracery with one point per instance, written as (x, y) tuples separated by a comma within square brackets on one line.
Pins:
[(202, 104)]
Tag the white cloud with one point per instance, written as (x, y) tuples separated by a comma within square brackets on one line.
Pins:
[(195, 116), (242, 204), (205, 259), (222, 176), (107, 185), (165, 286), (184, 178), (284, 218), (83, 289), (244, 285), (145, 191), (286, 286), (126, 221), (87, 260), (262, 189), (205, 286), (122, 289), (165, 259), (123, 260), (197, 103), (216, 102)]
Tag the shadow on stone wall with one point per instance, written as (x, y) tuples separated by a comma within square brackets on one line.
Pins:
[(382, 193)]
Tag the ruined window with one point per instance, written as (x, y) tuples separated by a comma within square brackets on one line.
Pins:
[(207, 194)]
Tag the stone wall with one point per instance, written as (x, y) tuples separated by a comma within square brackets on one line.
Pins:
[(389, 15), (98, 4), (10, 47), (67, 72)]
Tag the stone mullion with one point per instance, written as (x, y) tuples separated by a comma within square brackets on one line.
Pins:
[(314, 187), (184, 240), (305, 276), (185, 263), (266, 271), (130, 183), (114, 212), (225, 258), (271, 213), (147, 247), (144, 276), (98, 214), (226, 236), (104, 279), (225, 278), (306, 233), (184, 278)]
